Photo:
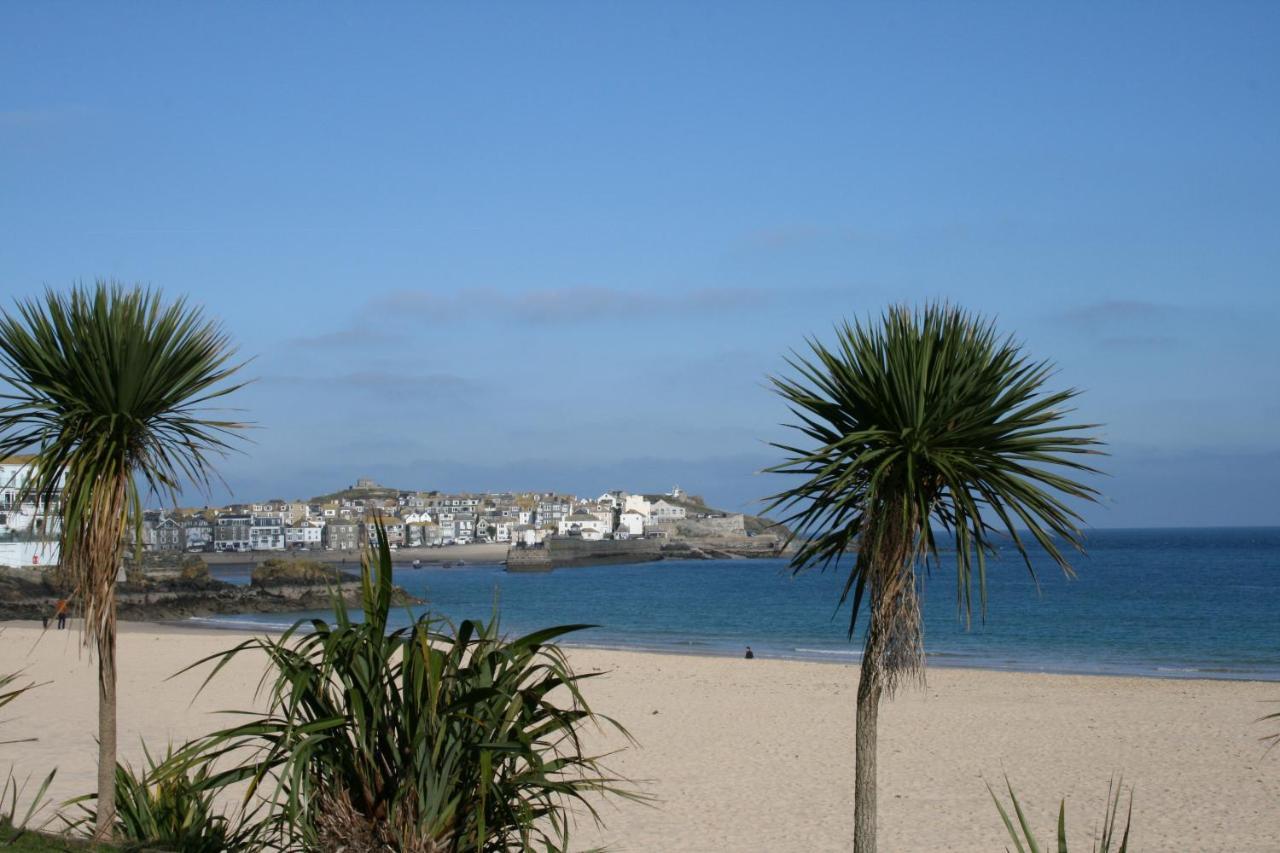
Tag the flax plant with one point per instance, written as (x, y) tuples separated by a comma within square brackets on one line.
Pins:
[(1106, 841), (422, 739), (160, 810), (106, 388), (925, 420)]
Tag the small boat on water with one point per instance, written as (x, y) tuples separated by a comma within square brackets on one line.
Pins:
[(417, 564)]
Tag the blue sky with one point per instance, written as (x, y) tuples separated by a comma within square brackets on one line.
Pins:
[(561, 245)]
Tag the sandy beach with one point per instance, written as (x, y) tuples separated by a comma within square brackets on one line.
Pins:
[(758, 755)]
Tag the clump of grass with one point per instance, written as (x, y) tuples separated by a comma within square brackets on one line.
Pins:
[(1106, 841)]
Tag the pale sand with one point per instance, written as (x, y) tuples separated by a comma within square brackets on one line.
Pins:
[(758, 755)]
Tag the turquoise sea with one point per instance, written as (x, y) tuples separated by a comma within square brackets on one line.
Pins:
[(1190, 603)]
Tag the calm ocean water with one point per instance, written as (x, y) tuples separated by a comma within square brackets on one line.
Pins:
[(1177, 603)]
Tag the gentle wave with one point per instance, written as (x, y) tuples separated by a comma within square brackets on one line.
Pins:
[(230, 623), (1139, 607)]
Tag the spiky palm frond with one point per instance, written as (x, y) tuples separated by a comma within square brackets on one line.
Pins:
[(108, 390), (926, 418), (11, 689)]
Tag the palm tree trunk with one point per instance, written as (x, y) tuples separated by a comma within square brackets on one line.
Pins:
[(870, 687), (104, 829)]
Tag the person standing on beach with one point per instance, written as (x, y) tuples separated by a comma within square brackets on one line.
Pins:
[(750, 655), (61, 613)]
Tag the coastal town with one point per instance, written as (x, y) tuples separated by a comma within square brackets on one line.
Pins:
[(346, 520)]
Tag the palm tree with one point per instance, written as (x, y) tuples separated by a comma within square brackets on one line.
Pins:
[(927, 418), (106, 390)]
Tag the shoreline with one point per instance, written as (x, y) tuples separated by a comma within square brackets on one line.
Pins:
[(223, 626), (758, 755)]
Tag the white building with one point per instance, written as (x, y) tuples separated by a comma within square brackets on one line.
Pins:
[(636, 503), (21, 515), (267, 533), (527, 535), (307, 534), (29, 528), (615, 498), (583, 524), (631, 524)]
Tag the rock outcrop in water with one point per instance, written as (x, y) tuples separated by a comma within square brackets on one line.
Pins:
[(31, 594)]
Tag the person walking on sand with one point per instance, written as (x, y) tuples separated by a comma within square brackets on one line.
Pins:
[(61, 613)]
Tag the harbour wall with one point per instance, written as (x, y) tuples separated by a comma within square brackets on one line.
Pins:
[(562, 552)]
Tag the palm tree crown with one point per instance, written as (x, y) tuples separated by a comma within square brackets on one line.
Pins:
[(926, 418)]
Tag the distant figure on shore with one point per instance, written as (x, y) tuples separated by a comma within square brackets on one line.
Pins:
[(750, 654), (61, 613)]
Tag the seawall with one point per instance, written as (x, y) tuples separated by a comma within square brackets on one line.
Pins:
[(563, 552)]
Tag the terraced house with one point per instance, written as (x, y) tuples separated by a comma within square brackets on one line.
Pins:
[(267, 532), (341, 534), (232, 532)]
